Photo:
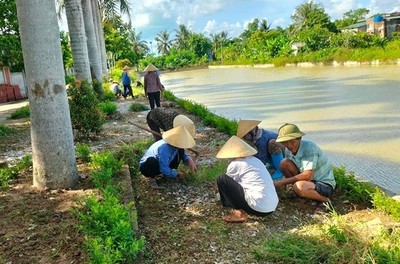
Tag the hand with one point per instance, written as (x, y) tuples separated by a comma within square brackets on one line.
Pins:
[(192, 165), (278, 184), (181, 175)]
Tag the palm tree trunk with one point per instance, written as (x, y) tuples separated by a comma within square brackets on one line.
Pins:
[(101, 38), (53, 154), (76, 27), (93, 51)]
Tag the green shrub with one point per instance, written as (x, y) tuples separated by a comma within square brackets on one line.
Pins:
[(351, 188), (387, 204), (98, 89), (7, 174), (82, 152), (5, 130), (138, 107), (23, 112), (86, 116), (69, 78), (108, 108), (109, 234), (108, 96), (131, 154), (105, 160)]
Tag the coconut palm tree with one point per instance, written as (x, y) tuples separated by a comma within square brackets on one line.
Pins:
[(76, 26), (182, 36), (264, 25), (164, 44), (53, 154)]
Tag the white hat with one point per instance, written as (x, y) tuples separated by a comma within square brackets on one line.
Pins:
[(179, 137), (182, 120), (235, 148)]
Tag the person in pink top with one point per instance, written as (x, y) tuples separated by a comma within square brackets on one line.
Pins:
[(152, 86)]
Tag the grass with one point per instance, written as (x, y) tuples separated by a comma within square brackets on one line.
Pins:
[(138, 107), (12, 172), (23, 112), (5, 130)]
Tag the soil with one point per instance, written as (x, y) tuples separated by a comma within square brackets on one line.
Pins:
[(182, 222)]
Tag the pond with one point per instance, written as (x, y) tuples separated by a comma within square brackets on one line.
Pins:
[(353, 113)]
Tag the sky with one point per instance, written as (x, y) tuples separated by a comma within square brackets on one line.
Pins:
[(150, 17)]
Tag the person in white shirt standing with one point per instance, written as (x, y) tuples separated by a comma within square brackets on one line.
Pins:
[(247, 186)]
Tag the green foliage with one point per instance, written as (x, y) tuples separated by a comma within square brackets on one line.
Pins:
[(351, 188), (23, 112), (69, 78), (86, 116), (66, 51), (385, 203), (108, 96), (7, 174), (10, 44), (207, 173), (131, 154), (105, 160), (109, 234), (109, 108), (138, 107), (82, 152), (5, 130), (98, 89)]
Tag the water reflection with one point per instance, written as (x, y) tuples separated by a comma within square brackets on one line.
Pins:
[(351, 112)]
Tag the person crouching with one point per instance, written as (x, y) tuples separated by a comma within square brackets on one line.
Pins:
[(247, 186), (164, 156)]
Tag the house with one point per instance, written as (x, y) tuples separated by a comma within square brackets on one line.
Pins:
[(382, 25)]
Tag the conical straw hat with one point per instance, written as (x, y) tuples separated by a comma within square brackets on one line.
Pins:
[(182, 120), (179, 137), (244, 126), (235, 148), (126, 67), (150, 67)]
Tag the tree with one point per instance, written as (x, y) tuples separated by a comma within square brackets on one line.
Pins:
[(138, 46), (164, 44), (77, 34), (10, 44), (182, 36), (351, 17), (53, 154), (309, 15)]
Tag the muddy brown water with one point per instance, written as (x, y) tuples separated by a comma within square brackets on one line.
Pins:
[(353, 113)]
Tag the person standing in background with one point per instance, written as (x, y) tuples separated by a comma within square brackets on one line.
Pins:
[(126, 82), (152, 86)]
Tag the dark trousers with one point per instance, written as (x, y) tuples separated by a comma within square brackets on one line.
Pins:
[(232, 195), (154, 99), (151, 168), (127, 90)]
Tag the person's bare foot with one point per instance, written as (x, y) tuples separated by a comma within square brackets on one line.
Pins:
[(236, 216)]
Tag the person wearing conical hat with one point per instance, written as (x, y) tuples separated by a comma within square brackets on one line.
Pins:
[(165, 155), (305, 166), (152, 86), (126, 82), (269, 151), (165, 119), (247, 186)]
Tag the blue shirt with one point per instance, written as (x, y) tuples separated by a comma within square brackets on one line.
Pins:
[(310, 157), (262, 146), (164, 153), (126, 80)]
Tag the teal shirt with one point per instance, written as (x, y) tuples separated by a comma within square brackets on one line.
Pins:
[(310, 157)]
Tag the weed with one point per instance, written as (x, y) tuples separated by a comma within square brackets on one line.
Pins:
[(7, 174), (387, 204), (105, 160), (207, 174), (138, 107), (23, 112), (5, 130), (82, 152), (109, 108)]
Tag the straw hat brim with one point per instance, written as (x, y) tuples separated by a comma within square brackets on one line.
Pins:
[(289, 137), (235, 148), (126, 68), (150, 67), (244, 126), (182, 120), (179, 137)]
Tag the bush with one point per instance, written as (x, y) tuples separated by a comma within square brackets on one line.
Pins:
[(23, 112), (86, 116), (108, 108)]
